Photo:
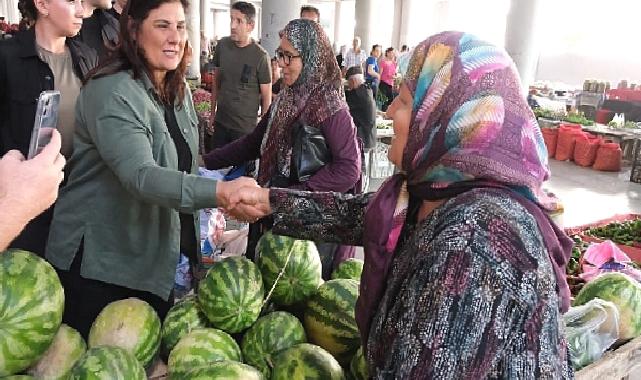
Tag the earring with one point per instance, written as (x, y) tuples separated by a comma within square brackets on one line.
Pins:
[(45, 14)]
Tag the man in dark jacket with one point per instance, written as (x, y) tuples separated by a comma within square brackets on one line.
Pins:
[(100, 30), (362, 107)]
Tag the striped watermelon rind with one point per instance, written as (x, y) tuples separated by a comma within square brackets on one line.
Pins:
[(231, 294), (131, 324), (302, 275), (306, 361), (67, 348), (31, 306), (349, 269), (621, 290), (358, 366), (269, 335), (181, 319), (108, 363), (330, 319), (200, 348), (227, 370)]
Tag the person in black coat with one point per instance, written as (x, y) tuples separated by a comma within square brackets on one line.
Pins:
[(101, 29), (362, 107), (44, 57)]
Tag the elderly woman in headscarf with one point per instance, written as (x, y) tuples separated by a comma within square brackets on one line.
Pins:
[(313, 94), (464, 270)]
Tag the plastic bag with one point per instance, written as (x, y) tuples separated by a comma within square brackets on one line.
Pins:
[(585, 149), (608, 157), (590, 330), (550, 138), (566, 141), (607, 257)]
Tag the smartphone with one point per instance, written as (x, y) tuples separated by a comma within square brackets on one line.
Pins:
[(45, 122)]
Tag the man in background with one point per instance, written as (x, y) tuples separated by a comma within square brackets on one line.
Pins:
[(242, 80), (308, 12), (363, 110), (101, 26), (354, 56)]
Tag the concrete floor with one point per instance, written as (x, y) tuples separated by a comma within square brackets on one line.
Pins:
[(589, 195)]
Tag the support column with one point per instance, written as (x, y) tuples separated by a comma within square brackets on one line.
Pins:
[(521, 40), (275, 15), (364, 23), (397, 24), (337, 25), (193, 32)]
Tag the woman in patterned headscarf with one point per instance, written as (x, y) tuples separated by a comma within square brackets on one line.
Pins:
[(313, 95), (464, 271)]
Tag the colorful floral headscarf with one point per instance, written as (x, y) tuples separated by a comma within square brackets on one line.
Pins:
[(471, 127), (316, 95)]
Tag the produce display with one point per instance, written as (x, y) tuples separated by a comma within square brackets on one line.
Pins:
[(330, 319), (626, 233), (67, 348), (622, 291), (349, 269), (231, 294), (130, 324), (272, 333), (306, 361), (108, 363), (199, 348), (181, 319), (31, 305), (302, 275), (225, 370)]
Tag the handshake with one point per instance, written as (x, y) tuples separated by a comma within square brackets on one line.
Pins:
[(243, 199)]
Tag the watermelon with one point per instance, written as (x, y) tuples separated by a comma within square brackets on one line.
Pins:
[(621, 290), (302, 276), (108, 363), (358, 366), (200, 348), (131, 324), (182, 318), (225, 370), (330, 318), (306, 361), (67, 348), (349, 269), (271, 334), (19, 377), (231, 294), (31, 305)]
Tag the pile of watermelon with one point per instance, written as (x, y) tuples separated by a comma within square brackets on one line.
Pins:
[(273, 319)]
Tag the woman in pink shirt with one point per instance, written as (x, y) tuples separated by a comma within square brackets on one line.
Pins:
[(388, 71)]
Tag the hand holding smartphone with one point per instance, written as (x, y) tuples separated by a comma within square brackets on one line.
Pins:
[(45, 121)]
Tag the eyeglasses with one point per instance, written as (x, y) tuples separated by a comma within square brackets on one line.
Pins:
[(286, 57)]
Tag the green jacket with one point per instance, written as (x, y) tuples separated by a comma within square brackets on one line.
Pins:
[(124, 189)]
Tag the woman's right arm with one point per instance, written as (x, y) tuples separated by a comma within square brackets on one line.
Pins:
[(319, 216), (240, 151)]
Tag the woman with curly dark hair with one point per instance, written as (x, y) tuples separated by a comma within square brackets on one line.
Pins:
[(42, 57), (129, 207)]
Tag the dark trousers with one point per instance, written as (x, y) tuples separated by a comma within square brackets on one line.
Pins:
[(221, 137), (85, 298), (387, 90), (374, 86)]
